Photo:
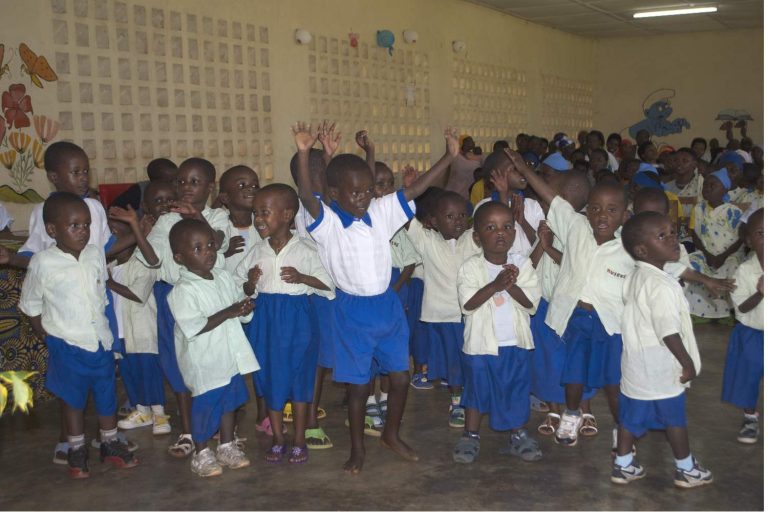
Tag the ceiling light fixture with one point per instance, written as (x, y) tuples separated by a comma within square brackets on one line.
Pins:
[(674, 12)]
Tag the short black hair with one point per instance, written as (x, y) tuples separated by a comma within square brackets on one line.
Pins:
[(343, 165), (575, 188), (649, 195), (60, 202), (486, 208), (636, 229), (645, 145), (449, 196), (57, 151), (599, 135), (183, 229), (156, 167), (495, 160), (285, 192), (227, 175), (615, 136), (206, 166), (610, 187), (699, 140), (689, 151), (425, 203), (381, 166), (153, 186), (316, 165), (500, 144)]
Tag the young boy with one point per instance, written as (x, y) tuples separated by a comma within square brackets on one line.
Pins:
[(353, 242), (64, 294), (660, 355), (744, 359), (237, 187), (498, 291), (211, 348)]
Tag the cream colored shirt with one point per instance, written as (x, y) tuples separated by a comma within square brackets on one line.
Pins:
[(548, 270), (250, 235), (169, 270), (297, 253), (69, 295), (746, 277), (656, 307), (442, 259), (403, 253), (208, 361), (137, 320), (480, 337)]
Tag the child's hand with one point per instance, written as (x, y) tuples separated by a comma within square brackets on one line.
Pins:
[(517, 160), (127, 215), (184, 209), (718, 287), (365, 143), (218, 202), (545, 234), (506, 278), (291, 276), (760, 285), (689, 372), (410, 175), (518, 208), (146, 224), (236, 245), (452, 146), (254, 275), (241, 308), (499, 180), (302, 135), (326, 134)]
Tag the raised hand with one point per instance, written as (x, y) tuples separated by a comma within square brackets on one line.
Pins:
[(302, 135), (146, 223), (545, 234), (499, 180), (236, 245), (517, 160), (184, 209), (410, 175), (365, 142), (240, 308), (127, 215), (452, 146), (254, 275), (329, 138), (291, 275)]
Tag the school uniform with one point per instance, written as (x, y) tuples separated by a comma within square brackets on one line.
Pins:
[(496, 340), (403, 254), (210, 363), (370, 321), (652, 396), (418, 341), (281, 332), (70, 297), (440, 309), (250, 236), (532, 212), (167, 275), (691, 189), (744, 357)]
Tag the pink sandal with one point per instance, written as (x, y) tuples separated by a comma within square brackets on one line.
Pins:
[(266, 427)]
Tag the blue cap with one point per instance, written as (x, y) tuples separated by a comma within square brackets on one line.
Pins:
[(722, 175), (732, 157), (644, 180), (646, 167), (531, 157), (557, 162)]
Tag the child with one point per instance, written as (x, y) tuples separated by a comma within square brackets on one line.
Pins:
[(211, 348), (237, 187), (353, 242), (280, 272), (442, 253), (64, 294), (714, 228), (498, 290), (660, 355), (744, 360), (195, 181), (687, 182)]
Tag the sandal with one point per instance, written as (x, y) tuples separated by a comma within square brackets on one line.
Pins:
[(550, 424), (299, 455), (317, 439), (288, 413), (383, 408), (182, 448), (372, 410), (588, 426), (266, 427), (538, 405), (321, 413), (370, 428), (276, 453), (522, 445), (467, 449)]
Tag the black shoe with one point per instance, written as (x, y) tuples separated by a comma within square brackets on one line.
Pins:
[(77, 462), (117, 454)]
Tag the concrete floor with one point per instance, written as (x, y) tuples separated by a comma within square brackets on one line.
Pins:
[(567, 479)]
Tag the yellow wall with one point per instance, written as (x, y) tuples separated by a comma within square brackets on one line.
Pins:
[(709, 72)]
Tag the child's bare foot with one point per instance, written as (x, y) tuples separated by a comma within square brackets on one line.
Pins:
[(354, 464), (397, 445)]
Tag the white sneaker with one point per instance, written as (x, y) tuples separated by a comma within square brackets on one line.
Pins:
[(698, 475), (204, 464), (232, 456), (567, 432), (135, 420), (160, 424)]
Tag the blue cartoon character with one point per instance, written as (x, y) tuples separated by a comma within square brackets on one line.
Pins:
[(657, 108)]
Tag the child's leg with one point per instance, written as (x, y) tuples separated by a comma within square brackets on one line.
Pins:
[(62, 422), (261, 409), (312, 413), (72, 420), (276, 419), (472, 423), (399, 382), (612, 394), (227, 428), (185, 411), (299, 422), (357, 393), (573, 393), (678, 439), (625, 443)]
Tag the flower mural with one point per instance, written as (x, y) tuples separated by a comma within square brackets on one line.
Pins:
[(16, 105)]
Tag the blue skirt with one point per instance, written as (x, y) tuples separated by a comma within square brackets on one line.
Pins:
[(404, 290), (208, 408), (499, 386), (640, 416), (418, 342), (323, 328), (166, 346), (73, 373), (282, 338), (743, 367), (446, 340), (593, 358), (142, 378)]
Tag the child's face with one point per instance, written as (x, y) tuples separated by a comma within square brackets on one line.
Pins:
[(496, 233), (197, 252), (450, 218), (628, 151), (755, 238), (597, 162), (355, 192), (593, 142), (270, 216), (734, 173), (71, 229), (384, 182), (515, 180), (661, 244), (240, 190), (612, 145), (713, 190), (192, 186), (650, 154), (606, 211), (158, 200), (686, 163), (699, 148), (71, 174)]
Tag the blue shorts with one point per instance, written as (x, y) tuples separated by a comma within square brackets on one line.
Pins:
[(368, 328), (323, 326), (404, 290), (593, 358), (743, 367), (418, 342), (445, 356), (166, 345), (499, 386), (208, 408), (547, 359), (640, 416), (73, 373), (142, 378), (281, 336)]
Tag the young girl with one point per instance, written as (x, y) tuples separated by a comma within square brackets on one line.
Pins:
[(237, 187), (280, 272), (714, 225)]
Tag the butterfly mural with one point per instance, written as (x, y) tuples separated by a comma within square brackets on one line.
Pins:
[(36, 66), (4, 67)]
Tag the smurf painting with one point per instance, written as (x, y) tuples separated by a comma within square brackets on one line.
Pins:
[(657, 109)]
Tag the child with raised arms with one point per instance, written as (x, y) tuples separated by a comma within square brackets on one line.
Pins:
[(280, 272), (498, 291), (210, 346)]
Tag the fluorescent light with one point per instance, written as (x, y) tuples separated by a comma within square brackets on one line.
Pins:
[(674, 12)]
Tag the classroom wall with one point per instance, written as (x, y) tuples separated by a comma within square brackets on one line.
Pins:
[(707, 72)]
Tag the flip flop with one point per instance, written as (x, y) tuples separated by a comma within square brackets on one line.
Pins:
[(276, 453), (317, 439), (299, 455), (266, 427), (321, 413), (288, 413), (370, 427)]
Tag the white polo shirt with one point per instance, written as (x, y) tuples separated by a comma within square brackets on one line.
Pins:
[(746, 277), (655, 308), (136, 321), (251, 237), (69, 295), (355, 251), (403, 252)]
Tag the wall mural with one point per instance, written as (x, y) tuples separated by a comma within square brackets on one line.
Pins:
[(657, 108)]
